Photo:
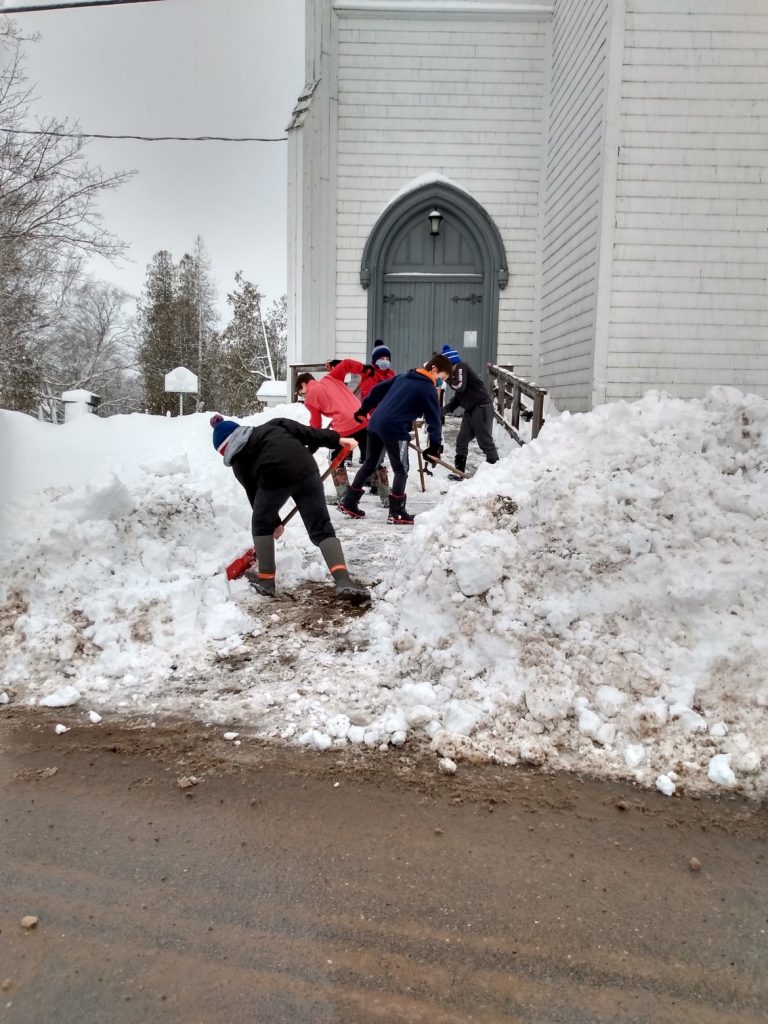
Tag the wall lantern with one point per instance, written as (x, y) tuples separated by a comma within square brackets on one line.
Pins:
[(434, 218)]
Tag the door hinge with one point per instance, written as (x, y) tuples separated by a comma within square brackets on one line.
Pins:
[(471, 299)]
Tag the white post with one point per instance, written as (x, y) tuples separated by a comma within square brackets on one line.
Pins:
[(266, 343), (181, 403)]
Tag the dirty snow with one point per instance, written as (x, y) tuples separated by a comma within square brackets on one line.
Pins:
[(596, 601)]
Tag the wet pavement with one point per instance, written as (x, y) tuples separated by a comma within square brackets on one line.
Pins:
[(295, 887)]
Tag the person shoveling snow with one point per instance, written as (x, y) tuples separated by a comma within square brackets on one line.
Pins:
[(273, 462)]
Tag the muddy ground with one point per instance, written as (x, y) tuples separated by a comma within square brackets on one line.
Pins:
[(292, 886)]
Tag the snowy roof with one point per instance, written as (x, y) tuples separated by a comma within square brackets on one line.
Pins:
[(273, 389), (181, 379), (78, 395)]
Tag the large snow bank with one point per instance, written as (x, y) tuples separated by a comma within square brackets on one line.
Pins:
[(596, 600), (600, 598), (114, 534)]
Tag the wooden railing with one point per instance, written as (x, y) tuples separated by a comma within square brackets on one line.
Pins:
[(507, 391)]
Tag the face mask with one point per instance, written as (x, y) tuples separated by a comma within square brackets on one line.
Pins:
[(383, 364)]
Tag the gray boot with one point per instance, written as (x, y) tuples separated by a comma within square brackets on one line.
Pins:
[(346, 588), (262, 576)]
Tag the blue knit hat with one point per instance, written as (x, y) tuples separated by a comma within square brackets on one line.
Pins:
[(380, 352), (221, 430), (451, 354)]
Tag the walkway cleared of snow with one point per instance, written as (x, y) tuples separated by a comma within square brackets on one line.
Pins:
[(596, 601)]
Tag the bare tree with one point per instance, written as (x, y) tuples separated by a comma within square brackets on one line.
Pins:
[(49, 223), (94, 349)]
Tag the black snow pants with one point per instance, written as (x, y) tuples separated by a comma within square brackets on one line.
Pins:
[(476, 423)]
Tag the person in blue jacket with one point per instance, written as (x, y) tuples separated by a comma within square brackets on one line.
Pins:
[(398, 403)]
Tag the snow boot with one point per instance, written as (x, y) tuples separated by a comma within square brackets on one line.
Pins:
[(383, 488), (262, 576), (341, 483), (460, 462), (349, 505), (346, 588), (398, 516)]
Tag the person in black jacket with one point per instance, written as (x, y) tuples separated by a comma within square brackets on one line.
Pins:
[(472, 396), (398, 402), (274, 462)]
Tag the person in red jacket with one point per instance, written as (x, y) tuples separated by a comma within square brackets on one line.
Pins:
[(331, 397), (379, 369)]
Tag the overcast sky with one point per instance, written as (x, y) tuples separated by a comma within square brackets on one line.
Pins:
[(182, 67)]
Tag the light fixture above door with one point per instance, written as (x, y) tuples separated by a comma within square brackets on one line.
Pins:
[(435, 219)]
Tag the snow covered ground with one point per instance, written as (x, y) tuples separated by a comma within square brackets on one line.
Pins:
[(596, 601)]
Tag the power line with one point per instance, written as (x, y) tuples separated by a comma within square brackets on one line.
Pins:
[(142, 138), (65, 4)]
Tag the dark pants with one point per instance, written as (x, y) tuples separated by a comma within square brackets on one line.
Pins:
[(309, 495), (398, 460), (477, 423), (361, 436)]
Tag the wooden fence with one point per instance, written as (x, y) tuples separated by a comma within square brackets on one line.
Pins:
[(507, 391)]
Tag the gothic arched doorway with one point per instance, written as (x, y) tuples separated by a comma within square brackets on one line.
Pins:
[(434, 281)]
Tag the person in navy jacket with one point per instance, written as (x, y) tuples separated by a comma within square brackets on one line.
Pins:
[(398, 403)]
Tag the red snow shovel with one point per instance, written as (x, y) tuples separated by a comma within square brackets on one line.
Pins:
[(240, 565)]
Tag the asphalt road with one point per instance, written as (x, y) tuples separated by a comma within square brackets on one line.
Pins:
[(287, 887)]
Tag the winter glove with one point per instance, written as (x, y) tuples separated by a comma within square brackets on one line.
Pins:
[(368, 370), (359, 415), (433, 451)]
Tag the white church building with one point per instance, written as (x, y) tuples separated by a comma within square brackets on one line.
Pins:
[(576, 188)]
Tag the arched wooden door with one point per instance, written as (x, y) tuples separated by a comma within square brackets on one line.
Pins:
[(428, 289)]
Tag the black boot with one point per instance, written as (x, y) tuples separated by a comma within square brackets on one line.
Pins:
[(350, 503), (460, 463), (346, 588), (262, 576), (398, 515)]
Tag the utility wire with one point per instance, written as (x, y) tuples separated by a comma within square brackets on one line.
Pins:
[(64, 5), (142, 138)]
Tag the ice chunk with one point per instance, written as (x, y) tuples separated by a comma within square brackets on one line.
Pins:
[(608, 700), (720, 771), (665, 785), (64, 697), (634, 755), (589, 723)]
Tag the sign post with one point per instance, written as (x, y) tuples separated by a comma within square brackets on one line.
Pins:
[(182, 380)]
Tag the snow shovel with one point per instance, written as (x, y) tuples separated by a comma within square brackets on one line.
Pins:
[(417, 446), (440, 462), (240, 565)]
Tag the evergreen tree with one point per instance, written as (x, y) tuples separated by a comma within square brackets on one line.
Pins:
[(196, 317), (243, 360), (176, 318), (158, 332)]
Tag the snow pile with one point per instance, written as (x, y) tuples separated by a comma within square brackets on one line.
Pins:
[(599, 599), (595, 601), (115, 532)]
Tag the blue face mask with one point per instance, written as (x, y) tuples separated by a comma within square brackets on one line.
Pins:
[(383, 364)]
